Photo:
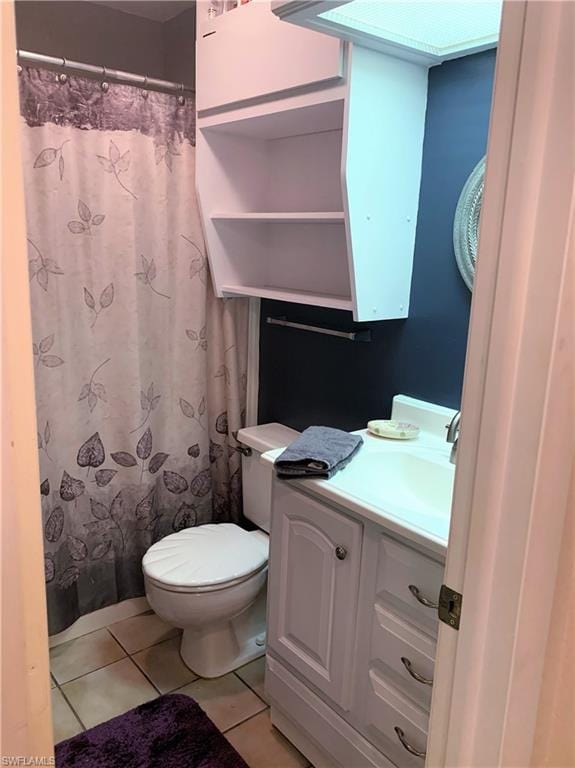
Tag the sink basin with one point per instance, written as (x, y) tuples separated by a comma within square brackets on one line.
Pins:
[(400, 481)]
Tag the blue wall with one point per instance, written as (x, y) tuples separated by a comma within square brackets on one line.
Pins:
[(308, 379)]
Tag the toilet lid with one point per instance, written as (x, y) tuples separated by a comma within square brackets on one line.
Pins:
[(206, 555)]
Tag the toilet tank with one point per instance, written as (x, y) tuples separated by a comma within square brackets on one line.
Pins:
[(257, 477)]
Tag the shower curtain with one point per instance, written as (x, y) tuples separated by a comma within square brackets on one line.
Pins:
[(140, 370)]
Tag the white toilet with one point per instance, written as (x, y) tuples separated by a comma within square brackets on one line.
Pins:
[(210, 580)]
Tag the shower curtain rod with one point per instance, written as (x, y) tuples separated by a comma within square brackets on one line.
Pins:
[(118, 75)]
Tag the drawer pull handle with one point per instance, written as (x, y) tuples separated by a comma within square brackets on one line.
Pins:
[(406, 745), (420, 599), (416, 676), (340, 552)]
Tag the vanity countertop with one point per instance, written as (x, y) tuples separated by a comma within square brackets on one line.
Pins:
[(405, 486)]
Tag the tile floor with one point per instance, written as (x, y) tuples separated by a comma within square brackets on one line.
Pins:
[(105, 673)]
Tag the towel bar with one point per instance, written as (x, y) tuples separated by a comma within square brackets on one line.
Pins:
[(349, 335)]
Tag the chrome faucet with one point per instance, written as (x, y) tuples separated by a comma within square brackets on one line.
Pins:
[(453, 435)]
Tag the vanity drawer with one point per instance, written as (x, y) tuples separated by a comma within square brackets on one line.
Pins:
[(388, 710), (409, 582), (398, 648)]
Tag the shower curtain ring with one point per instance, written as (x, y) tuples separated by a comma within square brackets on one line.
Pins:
[(63, 77), (18, 65), (181, 97), (145, 93), (104, 85)]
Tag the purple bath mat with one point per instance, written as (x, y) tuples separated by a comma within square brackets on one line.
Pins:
[(168, 732)]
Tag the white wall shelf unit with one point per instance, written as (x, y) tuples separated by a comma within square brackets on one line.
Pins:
[(311, 195)]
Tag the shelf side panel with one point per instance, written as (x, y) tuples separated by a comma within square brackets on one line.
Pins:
[(383, 148)]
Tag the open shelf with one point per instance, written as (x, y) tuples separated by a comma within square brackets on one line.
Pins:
[(309, 257), (285, 123), (288, 294), (295, 217)]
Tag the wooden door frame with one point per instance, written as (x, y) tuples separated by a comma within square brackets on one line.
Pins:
[(26, 723), (517, 441)]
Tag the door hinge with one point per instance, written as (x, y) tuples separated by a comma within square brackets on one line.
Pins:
[(450, 606)]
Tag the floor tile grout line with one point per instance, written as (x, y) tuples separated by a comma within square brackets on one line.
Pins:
[(233, 672), (145, 648), (97, 669), (113, 636), (242, 722), (73, 639), (253, 690), (109, 664), (77, 677), (76, 715), (265, 707), (145, 674), (98, 629)]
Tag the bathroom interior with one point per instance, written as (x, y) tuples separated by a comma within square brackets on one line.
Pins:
[(269, 225)]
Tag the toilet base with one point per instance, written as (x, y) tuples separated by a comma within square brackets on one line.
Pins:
[(214, 651)]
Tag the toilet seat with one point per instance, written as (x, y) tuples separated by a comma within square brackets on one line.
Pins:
[(206, 558)]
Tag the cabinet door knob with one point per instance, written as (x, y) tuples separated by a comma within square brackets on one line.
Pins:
[(420, 598), (340, 552), (416, 676), (406, 745)]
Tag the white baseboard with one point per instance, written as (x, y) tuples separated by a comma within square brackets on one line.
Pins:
[(100, 619)]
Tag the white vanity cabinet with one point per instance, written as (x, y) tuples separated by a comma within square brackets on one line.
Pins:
[(351, 641), (314, 579), (309, 155)]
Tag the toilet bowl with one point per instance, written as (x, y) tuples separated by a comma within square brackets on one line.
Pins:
[(210, 580)]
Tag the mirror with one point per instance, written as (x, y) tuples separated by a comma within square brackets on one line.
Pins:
[(466, 223)]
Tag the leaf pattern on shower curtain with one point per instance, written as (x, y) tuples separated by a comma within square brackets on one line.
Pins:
[(194, 413), (165, 153), (86, 222), (106, 299), (93, 391), (199, 262), (140, 370), (199, 336), (116, 164), (40, 268), (49, 155), (40, 351), (148, 402), (148, 275)]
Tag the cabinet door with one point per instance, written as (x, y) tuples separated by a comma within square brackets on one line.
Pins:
[(313, 588), (248, 53)]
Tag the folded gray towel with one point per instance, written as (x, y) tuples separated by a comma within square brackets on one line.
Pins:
[(317, 452)]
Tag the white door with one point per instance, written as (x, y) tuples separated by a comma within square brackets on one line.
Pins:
[(313, 586), (518, 427)]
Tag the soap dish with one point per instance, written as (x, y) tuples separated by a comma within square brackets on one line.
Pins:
[(396, 430)]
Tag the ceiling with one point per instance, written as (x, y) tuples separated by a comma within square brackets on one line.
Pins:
[(157, 10)]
